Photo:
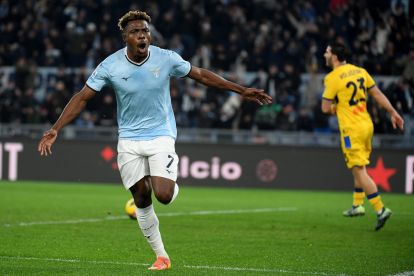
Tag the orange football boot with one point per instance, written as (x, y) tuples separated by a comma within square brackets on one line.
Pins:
[(161, 263)]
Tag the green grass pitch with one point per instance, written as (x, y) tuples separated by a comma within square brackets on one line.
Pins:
[(81, 229)]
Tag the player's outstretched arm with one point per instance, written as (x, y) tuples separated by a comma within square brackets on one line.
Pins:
[(209, 78), (76, 104), (382, 101)]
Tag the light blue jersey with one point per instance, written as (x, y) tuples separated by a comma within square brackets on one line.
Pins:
[(142, 91)]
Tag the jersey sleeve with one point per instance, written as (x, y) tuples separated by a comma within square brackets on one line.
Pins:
[(98, 79), (369, 79), (179, 67), (330, 90)]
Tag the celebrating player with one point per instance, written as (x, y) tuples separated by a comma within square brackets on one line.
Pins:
[(140, 75), (346, 89)]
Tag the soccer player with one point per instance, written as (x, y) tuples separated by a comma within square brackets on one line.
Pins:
[(346, 94), (140, 76)]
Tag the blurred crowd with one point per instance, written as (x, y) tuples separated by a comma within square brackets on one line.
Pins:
[(261, 43)]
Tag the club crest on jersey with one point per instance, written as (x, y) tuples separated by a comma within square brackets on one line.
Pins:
[(156, 71)]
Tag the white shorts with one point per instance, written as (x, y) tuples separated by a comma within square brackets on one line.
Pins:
[(137, 159)]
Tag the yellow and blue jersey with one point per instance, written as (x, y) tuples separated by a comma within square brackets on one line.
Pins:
[(348, 86)]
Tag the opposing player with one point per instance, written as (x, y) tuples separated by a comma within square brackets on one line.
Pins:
[(346, 94), (140, 75)]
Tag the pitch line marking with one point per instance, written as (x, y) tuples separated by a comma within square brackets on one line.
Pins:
[(205, 267), (265, 270), (68, 260), (405, 273), (173, 214)]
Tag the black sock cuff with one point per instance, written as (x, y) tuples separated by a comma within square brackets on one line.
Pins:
[(372, 195)]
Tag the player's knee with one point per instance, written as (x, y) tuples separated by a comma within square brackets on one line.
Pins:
[(141, 189), (163, 190), (164, 197), (357, 170), (165, 194)]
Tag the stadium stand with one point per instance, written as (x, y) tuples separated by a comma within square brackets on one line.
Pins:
[(49, 48)]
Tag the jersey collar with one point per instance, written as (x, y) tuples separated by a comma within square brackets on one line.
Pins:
[(136, 63)]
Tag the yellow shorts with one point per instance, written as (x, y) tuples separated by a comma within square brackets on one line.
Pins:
[(356, 146)]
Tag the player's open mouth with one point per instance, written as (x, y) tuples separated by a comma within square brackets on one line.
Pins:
[(142, 45)]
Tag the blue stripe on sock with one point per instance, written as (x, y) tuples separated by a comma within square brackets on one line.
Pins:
[(358, 190), (372, 195)]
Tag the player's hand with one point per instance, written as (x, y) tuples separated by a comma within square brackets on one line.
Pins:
[(45, 144), (397, 121), (256, 95), (333, 109)]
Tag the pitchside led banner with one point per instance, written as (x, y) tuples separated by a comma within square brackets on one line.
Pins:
[(212, 165)]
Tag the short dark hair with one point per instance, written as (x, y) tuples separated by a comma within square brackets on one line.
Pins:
[(340, 51), (131, 16)]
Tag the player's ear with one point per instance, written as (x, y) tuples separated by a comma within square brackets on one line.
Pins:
[(150, 37), (123, 34)]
